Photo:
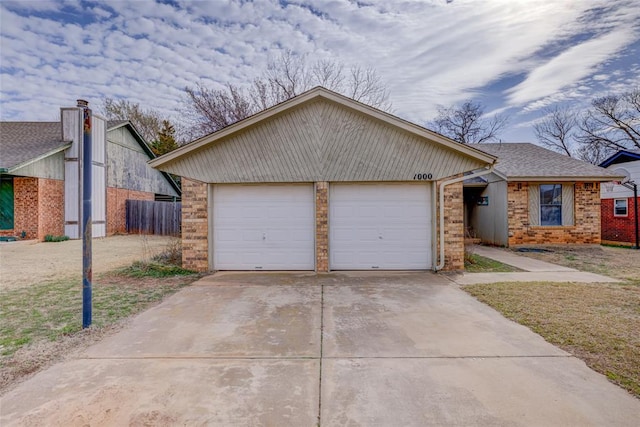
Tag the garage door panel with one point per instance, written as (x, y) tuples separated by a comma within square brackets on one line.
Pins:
[(385, 226), (264, 227)]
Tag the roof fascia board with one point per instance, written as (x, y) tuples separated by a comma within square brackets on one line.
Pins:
[(319, 92), (612, 160), (564, 178)]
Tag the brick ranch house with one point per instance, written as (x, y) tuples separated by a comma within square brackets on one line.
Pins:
[(322, 182), (619, 210), (40, 176), (535, 196)]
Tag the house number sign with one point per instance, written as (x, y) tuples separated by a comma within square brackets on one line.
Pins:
[(423, 176)]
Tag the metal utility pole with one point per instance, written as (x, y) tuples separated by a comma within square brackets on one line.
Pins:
[(86, 215), (633, 186)]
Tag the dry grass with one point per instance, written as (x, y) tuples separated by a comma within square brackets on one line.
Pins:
[(621, 263), (42, 323), (599, 323)]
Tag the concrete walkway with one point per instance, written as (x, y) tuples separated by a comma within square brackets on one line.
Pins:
[(534, 270), (356, 349)]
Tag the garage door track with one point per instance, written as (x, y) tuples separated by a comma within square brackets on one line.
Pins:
[(356, 349)]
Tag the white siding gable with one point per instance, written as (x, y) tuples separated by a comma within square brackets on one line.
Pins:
[(620, 191)]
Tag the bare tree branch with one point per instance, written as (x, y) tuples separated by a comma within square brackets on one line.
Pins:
[(288, 75), (466, 124), (146, 121), (557, 129), (612, 123)]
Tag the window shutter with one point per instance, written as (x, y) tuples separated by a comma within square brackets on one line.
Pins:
[(534, 204), (567, 204)]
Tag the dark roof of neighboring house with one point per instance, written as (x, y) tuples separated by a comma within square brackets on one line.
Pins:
[(24, 141), (622, 156), (530, 162), (21, 142)]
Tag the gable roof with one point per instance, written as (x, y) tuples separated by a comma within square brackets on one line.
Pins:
[(116, 124), (530, 162), (622, 156), (310, 96), (321, 136), (24, 142)]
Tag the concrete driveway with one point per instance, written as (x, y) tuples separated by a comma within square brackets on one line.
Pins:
[(357, 349)]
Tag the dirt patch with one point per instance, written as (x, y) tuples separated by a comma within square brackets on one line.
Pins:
[(621, 263), (26, 263)]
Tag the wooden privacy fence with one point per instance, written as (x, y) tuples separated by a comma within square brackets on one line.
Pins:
[(148, 217)]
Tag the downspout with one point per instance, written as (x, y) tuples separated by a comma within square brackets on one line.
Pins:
[(443, 184)]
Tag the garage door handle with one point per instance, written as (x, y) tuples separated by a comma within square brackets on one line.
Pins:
[(264, 236), (380, 237)]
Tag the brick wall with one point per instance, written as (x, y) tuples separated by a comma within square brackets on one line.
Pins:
[(586, 228), (453, 227), (618, 228), (322, 227), (25, 208), (38, 208), (116, 207), (195, 225), (50, 207)]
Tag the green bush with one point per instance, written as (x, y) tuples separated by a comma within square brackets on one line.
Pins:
[(52, 238)]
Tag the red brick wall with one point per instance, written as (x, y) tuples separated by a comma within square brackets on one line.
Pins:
[(586, 228), (116, 207), (25, 207), (50, 207), (618, 228), (38, 208)]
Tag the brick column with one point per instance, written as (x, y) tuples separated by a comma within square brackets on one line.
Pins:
[(195, 225), (322, 227), (453, 227)]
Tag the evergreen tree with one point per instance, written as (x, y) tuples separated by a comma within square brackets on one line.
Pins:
[(166, 140)]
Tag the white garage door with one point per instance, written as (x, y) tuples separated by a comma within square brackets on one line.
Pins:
[(380, 226), (263, 227)]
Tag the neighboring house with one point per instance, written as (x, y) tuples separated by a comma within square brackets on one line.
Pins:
[(322, 182), (535, 196), (619, 211), (40, 176)]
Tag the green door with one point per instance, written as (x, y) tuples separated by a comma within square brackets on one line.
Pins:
[(6, 203)]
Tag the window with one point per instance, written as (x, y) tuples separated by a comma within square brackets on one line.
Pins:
[(620, 207), (550, 204)]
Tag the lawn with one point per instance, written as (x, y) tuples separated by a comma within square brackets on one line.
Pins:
[(478, 264), (617, 262), (43, 322), (598, 323)]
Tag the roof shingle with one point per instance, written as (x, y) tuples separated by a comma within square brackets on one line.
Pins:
[(23, 141), (532, 162)]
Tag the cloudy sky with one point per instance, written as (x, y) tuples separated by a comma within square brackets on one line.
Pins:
[(515, 57)]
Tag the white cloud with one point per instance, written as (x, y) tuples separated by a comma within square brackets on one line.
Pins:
[(569, 67), (429, 52)]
